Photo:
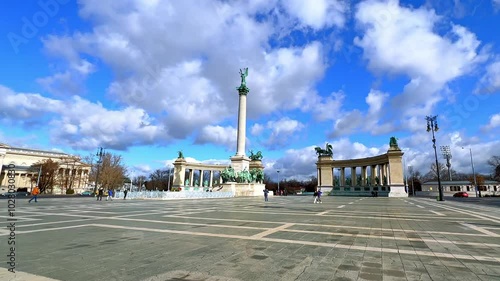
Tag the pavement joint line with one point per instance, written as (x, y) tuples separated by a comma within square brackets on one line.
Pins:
[(480, 229), (56, 222), (404, 238), (470, 213), (336, 226), (341, 206), (421, 207), (437, 213), (330, 215), (322, 213), (50, 229), (20, 218), (272, 230), (351, 203), (302, 242)]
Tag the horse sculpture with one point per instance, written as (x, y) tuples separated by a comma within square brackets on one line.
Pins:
[(393, 142), (255, 157), (328, 151)]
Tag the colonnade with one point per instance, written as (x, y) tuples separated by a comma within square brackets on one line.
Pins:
[(387, 168)]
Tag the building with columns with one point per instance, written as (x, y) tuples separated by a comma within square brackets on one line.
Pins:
[(382, 174), (72, 172)]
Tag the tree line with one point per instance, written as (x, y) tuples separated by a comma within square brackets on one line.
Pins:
[(111, 173)]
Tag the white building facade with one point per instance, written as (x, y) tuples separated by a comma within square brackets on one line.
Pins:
[(72, 173)]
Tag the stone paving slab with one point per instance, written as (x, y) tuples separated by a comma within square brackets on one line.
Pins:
[(287, 238)]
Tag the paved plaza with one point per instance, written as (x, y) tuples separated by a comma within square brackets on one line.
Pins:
[(287, 238)]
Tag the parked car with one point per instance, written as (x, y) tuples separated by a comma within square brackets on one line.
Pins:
[(87, 193), (461, 194), (17, 193)]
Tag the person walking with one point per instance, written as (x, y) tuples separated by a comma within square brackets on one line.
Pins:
[(100, 193), (266, 192), (35, 193), (319, 196), (125, 193), (110, 195), (315, 196)]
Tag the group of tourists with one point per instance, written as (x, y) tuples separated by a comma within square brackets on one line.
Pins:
[(110, 193), (317, 195)]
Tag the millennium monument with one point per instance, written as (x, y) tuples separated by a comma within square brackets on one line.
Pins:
[(244, 176)]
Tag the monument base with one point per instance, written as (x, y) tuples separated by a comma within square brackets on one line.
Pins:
[(240, 163), (246, 189), (398, 190)]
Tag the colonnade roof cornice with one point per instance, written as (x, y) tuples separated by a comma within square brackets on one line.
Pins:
[(359, 162), (202, 166)]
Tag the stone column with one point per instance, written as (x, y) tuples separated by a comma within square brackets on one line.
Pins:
[(373, 174), (382, 173), (353, 176), (342, 176), (363, 175), (242, 122), (191, 177), (179, 173), (201, 178), (210, 183)]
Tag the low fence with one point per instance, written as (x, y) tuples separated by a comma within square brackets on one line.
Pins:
[(165, 195)]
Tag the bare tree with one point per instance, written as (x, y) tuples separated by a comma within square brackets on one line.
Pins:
[(48, 175), (494, 162), (112, 171)]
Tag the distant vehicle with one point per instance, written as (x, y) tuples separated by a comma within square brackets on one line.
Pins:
[(87, 193), (461, 194), (17, 193)]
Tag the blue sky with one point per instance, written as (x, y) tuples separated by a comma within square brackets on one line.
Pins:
[(148, 78)]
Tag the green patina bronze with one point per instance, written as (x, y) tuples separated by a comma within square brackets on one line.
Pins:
[(393, 142), (243, 89), (181, 156), (255, 157), (328, 151)]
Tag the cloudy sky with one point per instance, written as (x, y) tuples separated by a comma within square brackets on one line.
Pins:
[(147, 78)]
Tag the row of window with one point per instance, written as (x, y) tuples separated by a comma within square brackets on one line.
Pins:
[(469, 188)]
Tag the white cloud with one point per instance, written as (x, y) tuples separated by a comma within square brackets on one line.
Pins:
[(356, 121), (82, 124), (185, 79), (26, 107), (402, 41), (493, 123), (329, 108), (279, 131), (225, 136), (318, 14), (490, 82), (256, 129)]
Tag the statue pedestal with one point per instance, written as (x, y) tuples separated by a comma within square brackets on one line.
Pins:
[(240, 163), (256, 164), (246, 189)]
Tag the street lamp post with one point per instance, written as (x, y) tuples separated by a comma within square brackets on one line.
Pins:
[(445, 150), (99, 153), (474, 173), (278, 182), (433, 126)]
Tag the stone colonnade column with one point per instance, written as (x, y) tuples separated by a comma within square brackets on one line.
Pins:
[(363, 175), (353, 176), (342, 176), (210, 184)]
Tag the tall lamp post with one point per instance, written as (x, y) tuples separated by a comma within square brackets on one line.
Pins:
[(99, 153), (433, 126), (278, 181), (445, 150), (410, 170), (473, 173)]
